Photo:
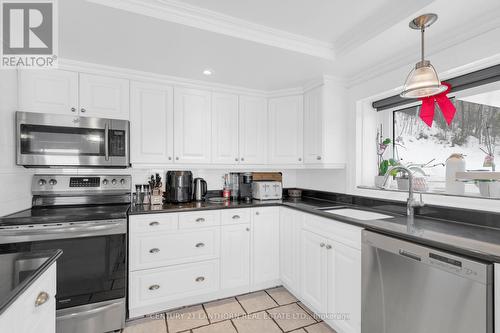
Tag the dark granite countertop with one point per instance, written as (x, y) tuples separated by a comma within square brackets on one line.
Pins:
[(478, 241), (10, 288)]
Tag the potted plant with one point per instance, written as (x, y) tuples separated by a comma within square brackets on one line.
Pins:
[(383, 164)]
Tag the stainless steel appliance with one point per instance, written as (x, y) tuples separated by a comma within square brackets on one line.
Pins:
[(413, 289), (51, 140), (86, 217), (200, 189), (179, 186), (245, 186)]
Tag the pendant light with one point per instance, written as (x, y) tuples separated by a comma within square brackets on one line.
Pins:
[(423, 80)]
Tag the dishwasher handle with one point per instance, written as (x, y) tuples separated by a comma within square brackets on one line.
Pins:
[(438, 259)]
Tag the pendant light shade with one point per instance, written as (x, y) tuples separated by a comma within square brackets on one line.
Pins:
[(423, 80)]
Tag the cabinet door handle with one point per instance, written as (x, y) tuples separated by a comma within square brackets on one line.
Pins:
[(328, 247), (200, 245), (155, 250), (236, 159), (177, 158), (170, 158), (73, 109), (154, 287), (200, 219), (322, 245), (242, 159), (300, 159), (200, 279), (42, 298), (83, 110), (247, 229), (318, 158), (235, 217), (257, 213), (154, 224)]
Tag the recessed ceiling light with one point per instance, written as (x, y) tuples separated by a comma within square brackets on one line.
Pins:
[(208, 72)]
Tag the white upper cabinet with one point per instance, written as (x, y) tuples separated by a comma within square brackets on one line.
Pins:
[(253, 130), (225, 128), (192, 121), (313, 122), (48, 91), (151, 123), (285, 130), (104, 97)]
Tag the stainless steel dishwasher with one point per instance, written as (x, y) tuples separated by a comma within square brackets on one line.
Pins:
[(410, 288)]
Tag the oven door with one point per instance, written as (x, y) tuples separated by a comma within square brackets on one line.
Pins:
[(92, 268), (58, 140)]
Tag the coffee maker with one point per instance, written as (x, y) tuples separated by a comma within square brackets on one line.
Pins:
[(245, 186), (179, 186)]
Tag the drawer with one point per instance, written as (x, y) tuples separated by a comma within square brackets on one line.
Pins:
[(169, 248), (166, 284), (153, 222), (206, 218), (338, 231), (233, 216)]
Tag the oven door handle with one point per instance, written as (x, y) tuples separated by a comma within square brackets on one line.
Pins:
[(106, 141)]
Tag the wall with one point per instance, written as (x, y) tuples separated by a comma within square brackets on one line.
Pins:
[(14, 180), (478, 52)]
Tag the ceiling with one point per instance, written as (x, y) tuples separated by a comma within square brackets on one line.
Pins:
[(268, 45)]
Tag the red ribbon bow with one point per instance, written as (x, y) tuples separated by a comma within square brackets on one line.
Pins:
[(445, 105)]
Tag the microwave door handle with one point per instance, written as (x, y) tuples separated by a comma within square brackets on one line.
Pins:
[(106, 141)]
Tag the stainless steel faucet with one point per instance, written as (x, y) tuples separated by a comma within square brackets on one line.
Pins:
[(411, 203)]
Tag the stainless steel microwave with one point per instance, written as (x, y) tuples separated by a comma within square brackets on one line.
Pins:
[(52, 140)]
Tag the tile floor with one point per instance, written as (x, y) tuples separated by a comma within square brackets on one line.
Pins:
[(268, 311)]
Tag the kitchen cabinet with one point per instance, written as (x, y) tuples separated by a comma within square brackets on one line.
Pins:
[(235, 257), (72, 93), (192, 120), (225, 148), (48, 91), (286, 130), (265, 247), (104, 97), (151, 123), (313, 271), (253, 126), (325, 124), (24, 315), (290, 226)]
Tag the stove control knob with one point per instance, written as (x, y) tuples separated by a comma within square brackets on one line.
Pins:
[(113, 182), (105, 182), (122, 181), (42, 182), (52, 182)]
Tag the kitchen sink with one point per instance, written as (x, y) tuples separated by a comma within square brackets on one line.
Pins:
[(357, 214)]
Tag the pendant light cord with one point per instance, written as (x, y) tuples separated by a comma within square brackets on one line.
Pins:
[(423, 46)]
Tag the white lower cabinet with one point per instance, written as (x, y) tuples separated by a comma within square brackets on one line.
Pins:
[(313, 271), (235, 257), (265, 248), (25, 316)]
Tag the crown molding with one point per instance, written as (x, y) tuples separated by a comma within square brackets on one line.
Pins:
[(201, 18)]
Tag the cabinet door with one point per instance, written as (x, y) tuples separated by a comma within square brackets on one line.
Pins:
[(290, 224), (49, 91), (151, 123), (104, 97), (313, 131), (192, 120), (235, 256), (285, 130), (265, 247), (225, 129), (313, 271), (253, 130), (344, 287)]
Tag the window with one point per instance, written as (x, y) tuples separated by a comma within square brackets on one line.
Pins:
[(474, 132)]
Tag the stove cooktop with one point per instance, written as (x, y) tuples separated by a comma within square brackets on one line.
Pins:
[(47, 215)]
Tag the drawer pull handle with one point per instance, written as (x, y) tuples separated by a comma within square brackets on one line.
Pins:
[(247, 229), (42, 298), (328, 247), (200, 279), (235, 217), (155, 250), (322, 245), (154, 287), (201, 219), (154, 224), (200, 245)]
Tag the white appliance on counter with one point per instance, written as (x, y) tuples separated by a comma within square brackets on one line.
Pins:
[(267, 190)]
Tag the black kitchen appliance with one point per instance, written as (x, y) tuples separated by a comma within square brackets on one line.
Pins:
[(245, 186), (85, 217), (179, 186)]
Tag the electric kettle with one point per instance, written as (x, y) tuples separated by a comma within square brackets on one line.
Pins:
[(200, 189)]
